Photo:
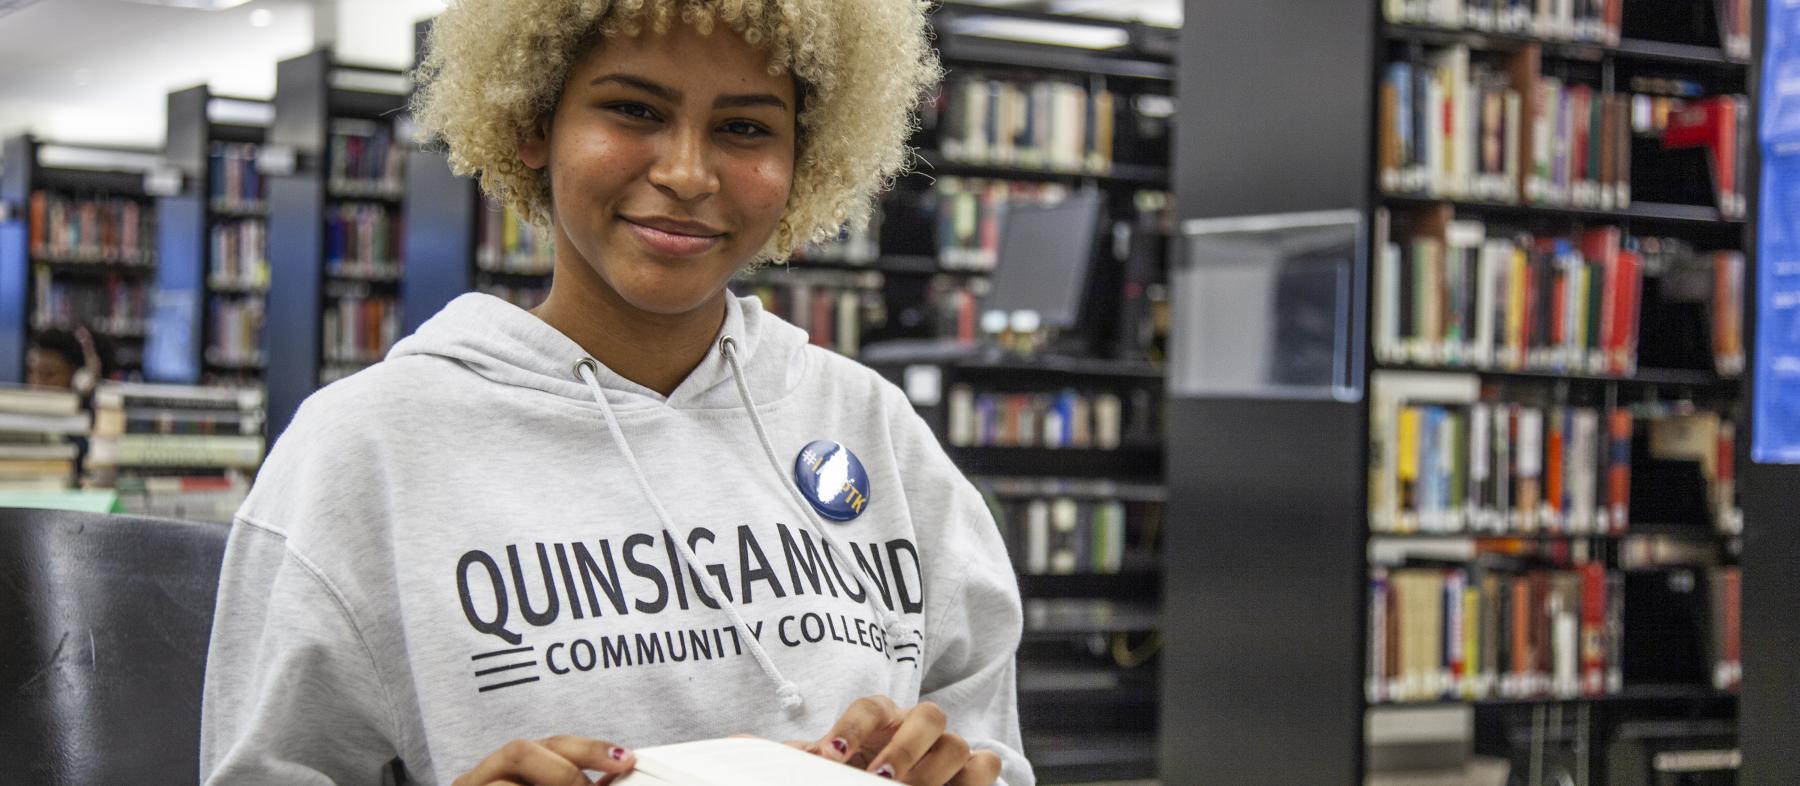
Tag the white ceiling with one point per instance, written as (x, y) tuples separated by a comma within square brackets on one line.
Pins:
[(99, 71)]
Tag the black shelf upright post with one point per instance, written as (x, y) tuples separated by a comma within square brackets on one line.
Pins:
[(440, 237), (312, 93), (297, 234), (441, 209), (191, 282), (1263, 596)]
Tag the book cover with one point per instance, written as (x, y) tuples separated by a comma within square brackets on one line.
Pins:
[(740, 761)]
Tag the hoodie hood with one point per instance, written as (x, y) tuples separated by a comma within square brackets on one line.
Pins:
[(506, 344)]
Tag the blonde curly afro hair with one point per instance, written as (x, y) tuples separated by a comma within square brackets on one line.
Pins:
[(495, 67)]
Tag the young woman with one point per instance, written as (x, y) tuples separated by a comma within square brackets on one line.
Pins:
[(646, 511)]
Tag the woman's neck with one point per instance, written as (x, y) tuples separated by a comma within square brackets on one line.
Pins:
[(657, 351)]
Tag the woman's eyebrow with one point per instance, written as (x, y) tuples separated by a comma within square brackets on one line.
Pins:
[(749, 99), (661, 91), (673, 96)]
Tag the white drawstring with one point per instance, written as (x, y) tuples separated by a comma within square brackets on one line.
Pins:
[(890, 622), (786, 690)]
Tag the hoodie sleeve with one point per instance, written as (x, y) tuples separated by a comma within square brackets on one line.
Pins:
[(970, 669), (973, 639), (291, 695)]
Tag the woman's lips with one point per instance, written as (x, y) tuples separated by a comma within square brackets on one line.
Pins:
[(669, 243)]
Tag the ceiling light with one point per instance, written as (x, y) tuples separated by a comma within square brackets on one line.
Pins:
[(1042, 32), (198, 5)]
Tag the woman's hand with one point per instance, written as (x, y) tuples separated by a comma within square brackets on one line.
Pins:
[(553, 761), (908, 745)]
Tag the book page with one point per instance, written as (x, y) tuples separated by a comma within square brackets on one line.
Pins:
[(740, 761)]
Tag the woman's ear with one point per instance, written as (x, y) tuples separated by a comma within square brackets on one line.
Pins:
[(534, 146)]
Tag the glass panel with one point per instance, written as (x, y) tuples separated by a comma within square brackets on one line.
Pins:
[(1269, 307)]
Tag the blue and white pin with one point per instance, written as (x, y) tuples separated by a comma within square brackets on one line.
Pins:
[(832, 479)]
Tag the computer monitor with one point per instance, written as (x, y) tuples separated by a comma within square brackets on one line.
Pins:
[(1046, 257)]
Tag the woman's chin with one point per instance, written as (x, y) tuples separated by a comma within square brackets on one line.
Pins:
[(669, 299)]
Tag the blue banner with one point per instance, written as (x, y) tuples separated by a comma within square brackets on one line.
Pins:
[(1775, 434)]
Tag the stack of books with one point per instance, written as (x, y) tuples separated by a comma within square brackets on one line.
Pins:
[(37, 431), (177, 451)]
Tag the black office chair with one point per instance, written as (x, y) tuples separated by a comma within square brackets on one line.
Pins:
[(104, 623)]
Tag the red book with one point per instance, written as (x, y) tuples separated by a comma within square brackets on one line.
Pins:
[(821, 322), (1579, 98), (39, 216), (1618, 470), (1709, 123), (1628, 283), (1593, 629), (1553, 467), (1601, 246), (1734, 625)]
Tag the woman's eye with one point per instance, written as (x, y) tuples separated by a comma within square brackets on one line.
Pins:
[(633, 110), (745, 128)]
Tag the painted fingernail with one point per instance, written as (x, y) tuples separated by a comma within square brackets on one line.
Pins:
[(886, 771), (841, 745), (617, 753)]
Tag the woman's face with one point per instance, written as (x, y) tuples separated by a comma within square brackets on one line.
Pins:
[(670, 160)]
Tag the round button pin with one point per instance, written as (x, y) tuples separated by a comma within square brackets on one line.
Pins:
[(832, 479)]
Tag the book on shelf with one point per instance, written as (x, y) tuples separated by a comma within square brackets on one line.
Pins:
[(1588, 21), (969, 213), (1708, 440), (114, 305), (1449, 128), (1473, 632), (1719, 125), (1062, 535), (834, 307), (1735, 20), (1699, 293), (1725, 642), (365, 159), (1465, 296), (1459, 124), (139, 394), (238, 258), (360, 330), (1040, 124), (235, 185), (1677, 115), (1443, 459), (507, 243), (94, 229), (1065, 419), (363, 240), (37, 426), (226, 451), (236, 332)]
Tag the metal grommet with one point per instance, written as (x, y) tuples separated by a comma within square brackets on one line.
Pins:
[(592, 366), (727, 344)]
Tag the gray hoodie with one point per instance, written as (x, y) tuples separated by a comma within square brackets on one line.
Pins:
[(487, 536)]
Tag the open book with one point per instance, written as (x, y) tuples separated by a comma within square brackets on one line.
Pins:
[(740, 761)]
